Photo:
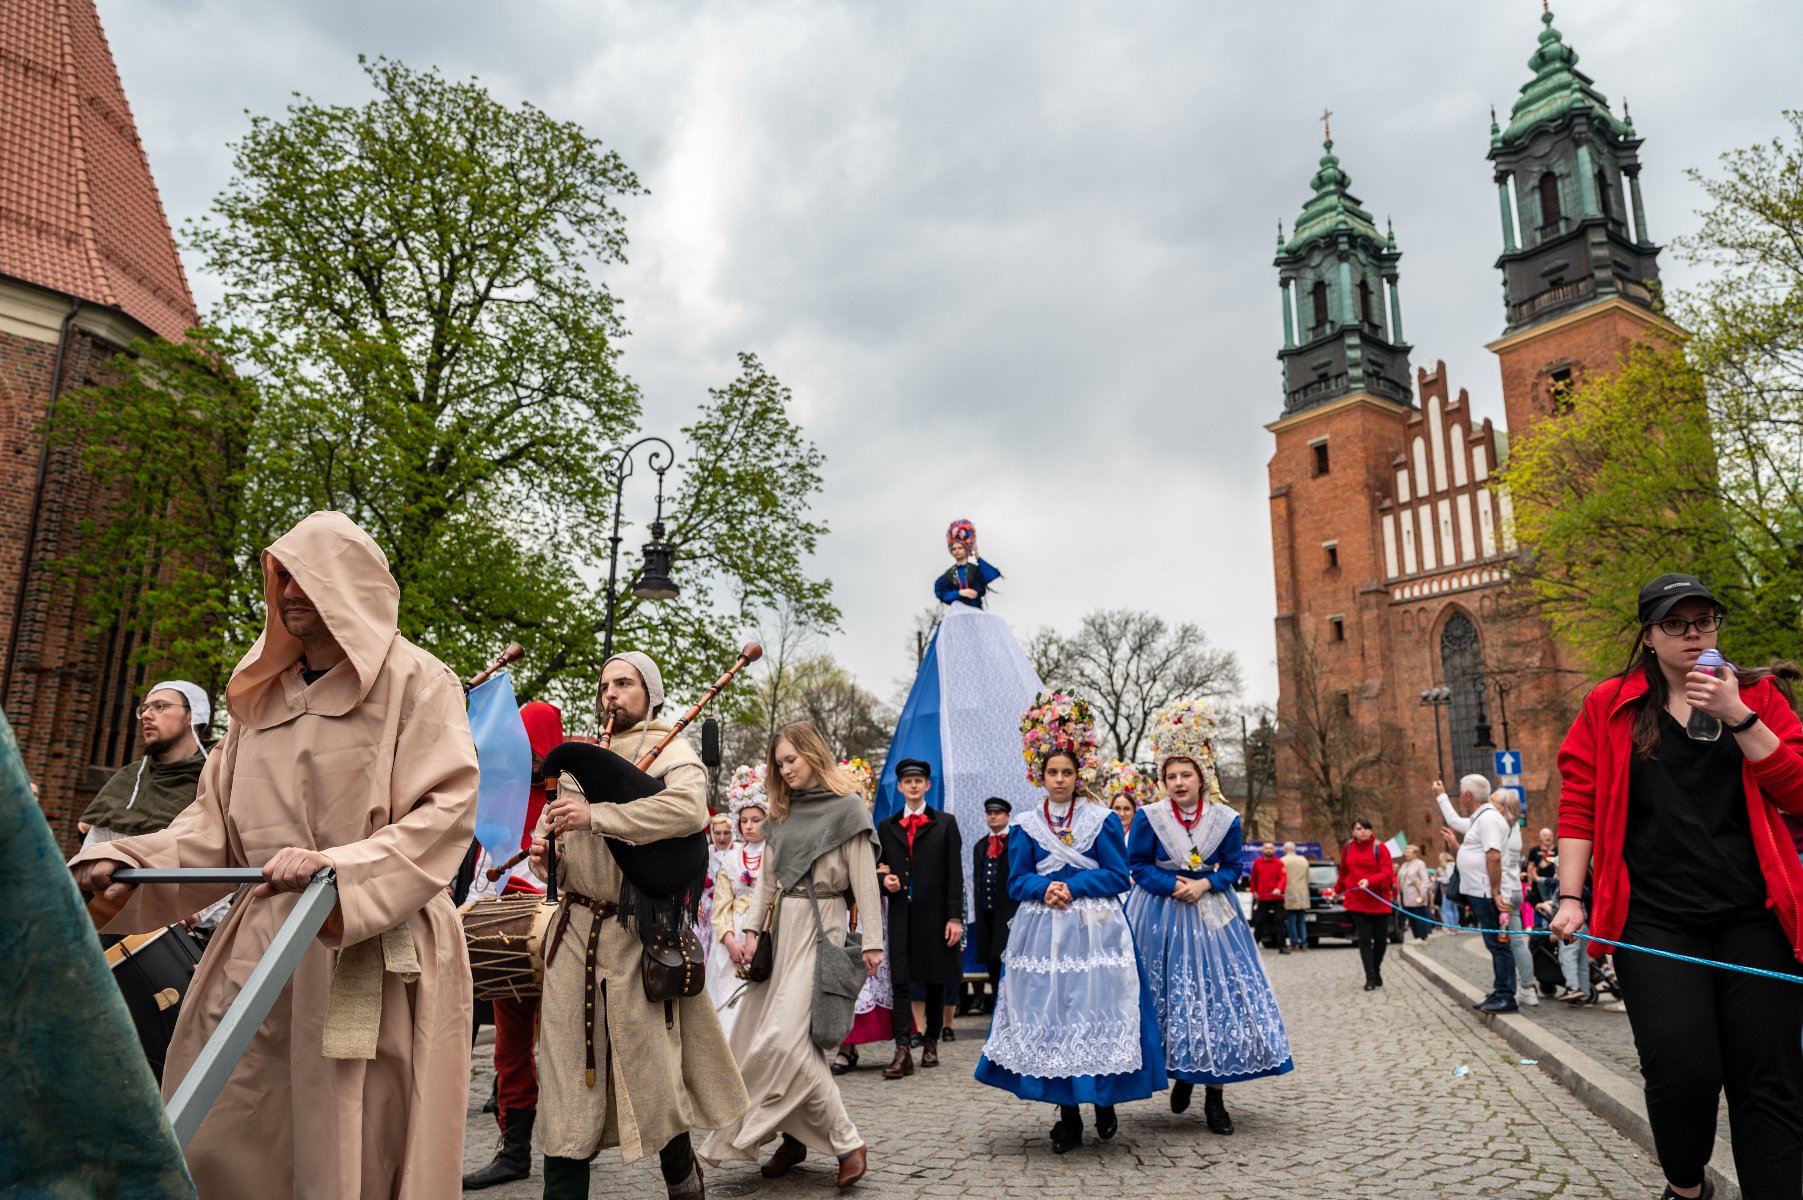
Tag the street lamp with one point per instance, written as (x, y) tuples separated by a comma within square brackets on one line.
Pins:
[(654, 582), (1437, 698), (1502, 708)]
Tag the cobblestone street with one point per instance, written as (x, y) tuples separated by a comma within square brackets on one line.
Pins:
[(1373, 1109)]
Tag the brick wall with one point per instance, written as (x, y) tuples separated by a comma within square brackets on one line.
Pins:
[(71, 690)]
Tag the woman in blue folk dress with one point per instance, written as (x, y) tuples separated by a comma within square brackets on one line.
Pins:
[(967, 580), (1074, 1022), (1218, 1017)]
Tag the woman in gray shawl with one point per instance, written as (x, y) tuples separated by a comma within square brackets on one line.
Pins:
[(818, 828)]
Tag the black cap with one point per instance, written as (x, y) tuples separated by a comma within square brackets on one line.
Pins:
[(913, 766), (1660, 596), (997, 804)]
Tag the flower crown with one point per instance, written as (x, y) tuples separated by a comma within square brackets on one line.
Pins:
[(747, 790), (861, 774), (1185, 729), (962, 530), (1125, 779), (1059, 722)]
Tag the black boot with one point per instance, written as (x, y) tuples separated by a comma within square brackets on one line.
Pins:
[(493, 1103), (1181, 1091), (1214, 1110), (682, 1174), (514, 1159), (566, 1178), (1107, 1124), (1067, 1134)]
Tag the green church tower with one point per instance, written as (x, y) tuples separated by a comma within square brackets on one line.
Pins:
[(1342, 315), (1560, 167)]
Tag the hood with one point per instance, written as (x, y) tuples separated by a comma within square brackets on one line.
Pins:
[(544, 725), (346, 576)]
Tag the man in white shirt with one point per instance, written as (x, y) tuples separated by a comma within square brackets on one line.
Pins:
[(1482, 880)]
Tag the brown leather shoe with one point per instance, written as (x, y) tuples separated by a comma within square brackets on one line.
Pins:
[(929, 1053), (788, 1156), (853, 1166), (902, 1064)]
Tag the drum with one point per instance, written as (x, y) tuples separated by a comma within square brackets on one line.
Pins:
[(153, 971), (504, 936)]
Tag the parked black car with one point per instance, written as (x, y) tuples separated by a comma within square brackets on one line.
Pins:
[(1327, 916)]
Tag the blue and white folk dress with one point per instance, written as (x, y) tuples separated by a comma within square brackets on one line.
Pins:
[(1216, 1011), (1074, 1021)]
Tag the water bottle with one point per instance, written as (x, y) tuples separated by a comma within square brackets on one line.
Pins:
[(1702, 727)]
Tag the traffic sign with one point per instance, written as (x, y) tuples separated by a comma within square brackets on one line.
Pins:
[(1508, 762)]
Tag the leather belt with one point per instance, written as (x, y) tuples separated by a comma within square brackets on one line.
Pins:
[(602, 909)]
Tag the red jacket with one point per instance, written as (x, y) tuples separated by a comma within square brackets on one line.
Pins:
[(1268, 878), (1593, 802), (1370, 862)]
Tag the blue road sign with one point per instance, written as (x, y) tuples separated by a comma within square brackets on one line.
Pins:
[(1508, 762)]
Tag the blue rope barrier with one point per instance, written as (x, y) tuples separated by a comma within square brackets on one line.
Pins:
[(1602, 941)]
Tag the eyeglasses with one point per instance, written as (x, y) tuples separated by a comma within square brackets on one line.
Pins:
[(1676, 626), (157, 708)]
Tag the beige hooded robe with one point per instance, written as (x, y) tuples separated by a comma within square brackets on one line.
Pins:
[(372, 765), (662, 1081)]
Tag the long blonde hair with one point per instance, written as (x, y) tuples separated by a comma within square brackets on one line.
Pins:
[(811, 748)]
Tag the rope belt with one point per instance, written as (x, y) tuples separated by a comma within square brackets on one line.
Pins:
[(354, 1006), (602, 910)]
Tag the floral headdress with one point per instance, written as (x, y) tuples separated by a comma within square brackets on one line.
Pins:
[(747, 790), (962, 531), (861, 774), (1059, 722), (1125, 779), (1186, 729)]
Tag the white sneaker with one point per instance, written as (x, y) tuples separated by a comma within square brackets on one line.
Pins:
[(1529, 996)]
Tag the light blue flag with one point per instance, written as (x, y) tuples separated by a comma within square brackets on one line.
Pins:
[(505, 758)]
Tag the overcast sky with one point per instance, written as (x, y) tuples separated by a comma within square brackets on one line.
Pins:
[(1014, 259)]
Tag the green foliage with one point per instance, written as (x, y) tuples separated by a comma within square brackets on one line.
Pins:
[(1618, 488), (171, 434), (421, 341)]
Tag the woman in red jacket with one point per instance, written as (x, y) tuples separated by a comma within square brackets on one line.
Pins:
[(1692, 856), (1365, 863)]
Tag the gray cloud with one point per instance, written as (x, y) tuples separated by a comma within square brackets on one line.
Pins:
[(1014, 259)]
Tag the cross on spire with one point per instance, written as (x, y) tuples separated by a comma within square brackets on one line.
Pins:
[(1326, 124)]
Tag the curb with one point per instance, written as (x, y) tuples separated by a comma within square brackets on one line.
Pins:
[(1617, 1100)]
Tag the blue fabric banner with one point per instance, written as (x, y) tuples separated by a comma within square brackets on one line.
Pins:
[(916, 735), (504, 756)]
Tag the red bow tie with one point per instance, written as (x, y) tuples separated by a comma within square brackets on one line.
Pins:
[(998, 842), (913, 820)]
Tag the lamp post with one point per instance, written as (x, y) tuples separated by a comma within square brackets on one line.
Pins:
[(654, 582), (1437, 698), (1502, 708)]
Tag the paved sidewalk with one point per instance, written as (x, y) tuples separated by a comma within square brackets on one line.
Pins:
[(1373, 1110)]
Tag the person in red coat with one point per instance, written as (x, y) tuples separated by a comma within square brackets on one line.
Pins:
[(1684, 829), (1269, 878), (1365, 868)]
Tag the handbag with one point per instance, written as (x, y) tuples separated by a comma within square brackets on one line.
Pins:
[(763, 955), (674, 969), (839, 976)]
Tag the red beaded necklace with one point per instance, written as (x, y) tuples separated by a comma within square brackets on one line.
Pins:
[(1060, 827), (1190, 823)]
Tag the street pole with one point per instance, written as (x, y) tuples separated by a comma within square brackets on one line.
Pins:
[(1502, 708), (617, 464)]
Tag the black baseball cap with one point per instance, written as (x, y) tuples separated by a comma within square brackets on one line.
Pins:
[(1660, 596), (997, 804), (913, 766)]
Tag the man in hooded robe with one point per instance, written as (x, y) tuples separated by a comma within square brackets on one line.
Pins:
[(616, 1069), (349, 748)]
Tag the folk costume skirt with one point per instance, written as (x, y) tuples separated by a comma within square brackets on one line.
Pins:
[(1216, 1011), (1074, 1019)]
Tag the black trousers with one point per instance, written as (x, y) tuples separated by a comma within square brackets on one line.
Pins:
[(902, 1018), (1267, 921), (1700, 1031), (1372, 932)]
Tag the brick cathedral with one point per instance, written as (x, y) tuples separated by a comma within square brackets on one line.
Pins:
[(87, 266), (1398, 625)]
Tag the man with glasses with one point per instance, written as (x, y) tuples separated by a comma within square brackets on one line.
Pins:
[(147, 795)]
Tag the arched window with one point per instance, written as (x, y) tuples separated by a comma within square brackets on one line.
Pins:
[(1605, 201), (1550, 212), (1365, 303), (1462, 667), (1318, 297)]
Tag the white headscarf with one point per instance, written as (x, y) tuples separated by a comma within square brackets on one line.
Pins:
[(648, 673), (200, 715)]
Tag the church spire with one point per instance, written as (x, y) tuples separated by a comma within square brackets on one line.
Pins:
[(1561, 164), (1340, 336)]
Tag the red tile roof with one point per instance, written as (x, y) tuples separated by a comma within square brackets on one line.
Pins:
[(79, 212)]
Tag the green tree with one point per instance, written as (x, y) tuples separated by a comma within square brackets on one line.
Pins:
[(1617, 488), (412, 304)]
